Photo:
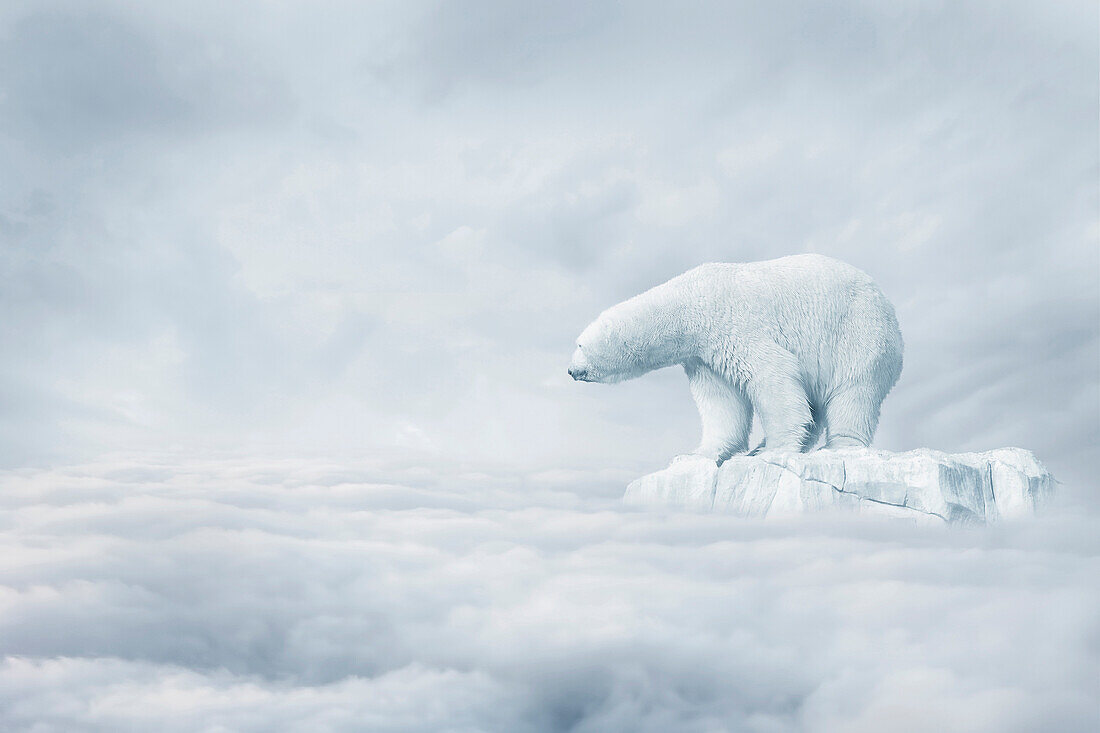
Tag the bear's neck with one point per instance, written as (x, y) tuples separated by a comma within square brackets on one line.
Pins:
[(671, 330)]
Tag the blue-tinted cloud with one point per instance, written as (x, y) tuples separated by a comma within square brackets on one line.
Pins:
[(252, 595)]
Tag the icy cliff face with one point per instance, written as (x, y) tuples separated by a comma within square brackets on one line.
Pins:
[(923, 484)]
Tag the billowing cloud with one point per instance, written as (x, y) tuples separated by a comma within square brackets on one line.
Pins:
[(248, 596)]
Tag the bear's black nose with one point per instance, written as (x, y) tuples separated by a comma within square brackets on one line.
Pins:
[(577, 373)]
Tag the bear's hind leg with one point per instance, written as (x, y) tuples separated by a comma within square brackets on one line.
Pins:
[(813, 435), (725, 413), (871, 348), (851, 415)]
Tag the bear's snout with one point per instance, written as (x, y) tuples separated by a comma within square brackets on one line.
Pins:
[(578, 366)]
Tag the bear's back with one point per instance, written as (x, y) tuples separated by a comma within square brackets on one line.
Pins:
[(800, 302), (783, 296)]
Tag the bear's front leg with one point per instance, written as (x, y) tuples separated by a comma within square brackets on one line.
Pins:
[(726, 414), (780, 400)]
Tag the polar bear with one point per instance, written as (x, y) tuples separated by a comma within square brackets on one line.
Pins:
[(807, 342)]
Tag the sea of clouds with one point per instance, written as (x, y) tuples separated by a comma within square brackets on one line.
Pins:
[(241, 595)]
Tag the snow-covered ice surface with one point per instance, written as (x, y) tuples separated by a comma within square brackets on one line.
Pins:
[(228, 595), (922, 484)]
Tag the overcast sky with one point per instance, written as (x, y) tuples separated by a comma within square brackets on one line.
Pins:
[(288, 291), (375, 229)]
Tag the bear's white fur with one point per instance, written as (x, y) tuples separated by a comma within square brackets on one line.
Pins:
[(806, 342)]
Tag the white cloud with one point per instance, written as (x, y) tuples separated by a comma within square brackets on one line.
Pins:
[(374, 229), (245, 595), (317, 231)]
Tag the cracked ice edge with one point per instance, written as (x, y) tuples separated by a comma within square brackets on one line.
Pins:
[(951, 488)]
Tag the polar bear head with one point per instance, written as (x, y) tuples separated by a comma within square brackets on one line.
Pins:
[(602, 353), (628, 340)]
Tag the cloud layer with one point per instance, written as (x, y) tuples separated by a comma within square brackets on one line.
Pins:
[(246, 596)]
